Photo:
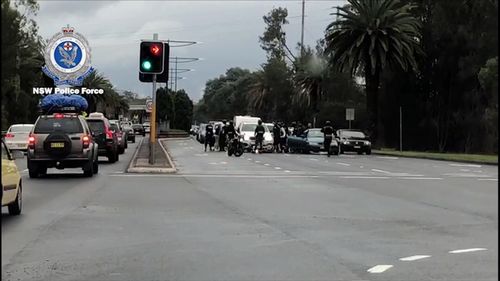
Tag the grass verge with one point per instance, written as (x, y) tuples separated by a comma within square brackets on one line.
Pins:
[(458, 157)]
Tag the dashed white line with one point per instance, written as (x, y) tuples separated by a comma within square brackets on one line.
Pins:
[(467, 250), (256, 161), (313, 159), (414, 258), (388, 157), (286, 171), (266, 164), (381, 171), (379, 268), (343, 164), (487, 179), (277, 168)]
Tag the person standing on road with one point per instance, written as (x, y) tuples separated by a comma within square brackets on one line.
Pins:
[(276, 136), (209, 136), (230, 132), (222, 137), (259, 136), (292, 129), (283, 136), (217, 136), (328, 133)]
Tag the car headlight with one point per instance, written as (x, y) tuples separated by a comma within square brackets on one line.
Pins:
[(346, 142), (246, 137), (367, 142)]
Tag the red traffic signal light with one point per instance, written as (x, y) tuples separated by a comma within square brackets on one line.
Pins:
[(156, 49)]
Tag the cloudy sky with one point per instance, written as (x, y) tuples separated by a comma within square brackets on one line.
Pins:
[(228, 32)]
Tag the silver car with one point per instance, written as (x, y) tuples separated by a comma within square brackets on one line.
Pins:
[(17, 136)]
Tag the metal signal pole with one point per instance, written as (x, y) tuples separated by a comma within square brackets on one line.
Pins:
[(302, 33), (152, 132)]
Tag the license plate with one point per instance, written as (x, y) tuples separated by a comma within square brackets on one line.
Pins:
[(57, 145), (357, 146)]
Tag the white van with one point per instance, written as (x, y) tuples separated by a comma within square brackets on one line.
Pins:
[(245, 119)]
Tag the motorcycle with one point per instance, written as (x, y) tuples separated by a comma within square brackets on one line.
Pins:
[(235, 147)]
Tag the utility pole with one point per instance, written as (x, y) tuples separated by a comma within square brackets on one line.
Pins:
[(302, 32), (152, 132), (400, 129)]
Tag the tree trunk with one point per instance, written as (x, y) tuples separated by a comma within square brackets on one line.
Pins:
[(372, 96)]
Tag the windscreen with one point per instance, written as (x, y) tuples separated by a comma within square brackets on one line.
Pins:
[(315, 134), (53, 125), (96, 126), (352, 134), (20, 129)]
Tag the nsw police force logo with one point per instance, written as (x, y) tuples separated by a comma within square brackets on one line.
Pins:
[(67, 58)]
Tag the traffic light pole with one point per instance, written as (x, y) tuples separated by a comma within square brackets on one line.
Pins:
[(152, 132)]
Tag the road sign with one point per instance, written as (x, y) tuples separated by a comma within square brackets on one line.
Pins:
[(149, 106), (349, 114)]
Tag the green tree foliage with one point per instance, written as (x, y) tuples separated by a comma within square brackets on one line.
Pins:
[(367, 36), (22, 60)]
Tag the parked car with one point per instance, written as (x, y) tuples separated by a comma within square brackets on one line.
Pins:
[(61, 140), (237, 120), (147, 126), (104, 136), (194, 130), (129, 132), (354, 140), (16, 137), (247, 130), (12, 189), (139, 129), (311, 141)]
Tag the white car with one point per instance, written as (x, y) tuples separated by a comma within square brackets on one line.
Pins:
[(147, 126), (247, 130), (17, 136)]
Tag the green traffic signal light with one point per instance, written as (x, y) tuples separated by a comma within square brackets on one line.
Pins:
[(146, 65)]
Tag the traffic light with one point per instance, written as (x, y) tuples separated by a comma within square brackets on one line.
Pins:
[(163, 77), (151, 59)]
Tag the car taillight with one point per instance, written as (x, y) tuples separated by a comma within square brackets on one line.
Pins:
[(9, 135), (58, 115), (31, 142), (109, 134), (86, 141)]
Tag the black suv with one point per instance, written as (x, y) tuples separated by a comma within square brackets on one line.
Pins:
[(104, 136), (61, 140), (354, 140)]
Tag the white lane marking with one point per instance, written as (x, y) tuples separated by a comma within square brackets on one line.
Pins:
[(381, 171), (379, 268), (465, 165), (213, 176), (464, 170), (361, 167), (212, 163), (487, 179), (313, 159), (266, 164), (362, 177), (414, 258), (223, 163), (467, 250), (277, 168), (286, 171), (418, 178), (343, 164), (477, 171), (249, 159), (256, 161), (204, 154), (465, 175), (388, 157), (347, 156)]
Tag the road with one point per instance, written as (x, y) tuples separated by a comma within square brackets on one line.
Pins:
[(258, 217)]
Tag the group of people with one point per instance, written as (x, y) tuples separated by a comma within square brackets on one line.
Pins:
[(218, 138)]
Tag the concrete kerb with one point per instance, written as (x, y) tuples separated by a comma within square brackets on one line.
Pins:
[(165, 150), (134, 157), (152, 170)]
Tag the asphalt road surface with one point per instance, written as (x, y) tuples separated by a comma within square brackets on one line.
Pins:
[(258, 217)]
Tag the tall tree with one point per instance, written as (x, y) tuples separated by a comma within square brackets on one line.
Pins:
[(367, 36)]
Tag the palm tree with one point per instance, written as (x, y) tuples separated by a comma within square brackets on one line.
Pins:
[(259, 91), (368, 35), (96, 81), (310, 80)]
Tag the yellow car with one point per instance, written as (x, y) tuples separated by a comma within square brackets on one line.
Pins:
[(11, 181)]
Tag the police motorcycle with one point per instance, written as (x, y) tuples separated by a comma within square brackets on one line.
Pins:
[(235, 146)]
